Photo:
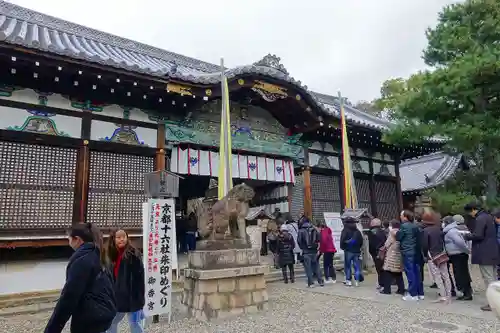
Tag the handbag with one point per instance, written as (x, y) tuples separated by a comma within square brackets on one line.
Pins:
[(382, 252), (439, 259)]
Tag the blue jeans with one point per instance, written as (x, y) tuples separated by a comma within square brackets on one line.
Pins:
[(352, 259), (413, 275), (191, 240), (134, 321), (311, 265)]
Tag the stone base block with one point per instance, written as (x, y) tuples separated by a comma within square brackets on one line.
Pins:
[(221, 259), (221, 293)]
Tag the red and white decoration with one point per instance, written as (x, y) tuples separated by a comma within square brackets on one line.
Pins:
[(206, 163)]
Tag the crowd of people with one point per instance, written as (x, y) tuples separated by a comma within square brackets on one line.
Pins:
[(106, 284), (444, 245), (400, 248)]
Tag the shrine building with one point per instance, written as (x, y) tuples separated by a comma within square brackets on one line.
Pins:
[(84, 115)]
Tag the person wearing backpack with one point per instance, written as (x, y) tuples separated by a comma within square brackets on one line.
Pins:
[(87, 296), (308, 239), (351, 241), (129, 283)]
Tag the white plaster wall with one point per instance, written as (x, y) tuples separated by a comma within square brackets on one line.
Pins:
[(32, 276), (61, 102), (16, 117), (101, 129)]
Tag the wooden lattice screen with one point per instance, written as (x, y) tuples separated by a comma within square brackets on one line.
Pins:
[(297, 202), (386, 200), (116, 189), (325, 195), (36, 186), (363, 193)]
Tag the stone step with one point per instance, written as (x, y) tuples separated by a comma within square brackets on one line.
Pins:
[(29, 303)]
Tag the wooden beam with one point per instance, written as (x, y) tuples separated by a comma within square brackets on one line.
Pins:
[(373, 197), (82, 172), (307, 193), (160, 148), (33, 243), (81, 184)]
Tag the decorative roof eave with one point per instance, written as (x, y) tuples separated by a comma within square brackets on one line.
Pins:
[(448, 166), (34, 30), (37, 31)]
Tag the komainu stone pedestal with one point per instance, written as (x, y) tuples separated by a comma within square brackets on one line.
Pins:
[(223, 283)]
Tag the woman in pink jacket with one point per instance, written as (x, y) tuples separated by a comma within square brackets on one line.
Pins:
[(327, 248)]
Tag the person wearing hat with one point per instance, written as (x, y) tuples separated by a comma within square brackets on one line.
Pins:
[(458, 252), (485, 252), (286, 257)]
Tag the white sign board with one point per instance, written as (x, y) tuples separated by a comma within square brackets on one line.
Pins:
[(334, 222), (160, 249)]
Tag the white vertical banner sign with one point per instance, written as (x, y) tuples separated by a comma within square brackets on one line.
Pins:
[(334, 222), (159, 253)]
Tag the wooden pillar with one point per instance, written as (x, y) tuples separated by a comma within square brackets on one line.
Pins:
[(399, 193), (160, 148), (82, 174), (373, 197), (289, 196), (307, 192)]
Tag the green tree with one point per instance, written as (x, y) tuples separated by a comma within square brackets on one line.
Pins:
[(368, 107), (394, 92), (459, 97)]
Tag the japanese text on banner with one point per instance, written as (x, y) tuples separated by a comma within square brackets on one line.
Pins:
[(160, 224)]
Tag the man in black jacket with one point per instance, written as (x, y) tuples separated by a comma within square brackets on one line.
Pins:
[(308, 239), (351, 241), (484, 244)]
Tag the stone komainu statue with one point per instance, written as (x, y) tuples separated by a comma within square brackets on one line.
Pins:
[(226, 218), (493, 296)]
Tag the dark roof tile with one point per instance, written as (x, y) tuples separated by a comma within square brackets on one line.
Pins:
[(427, 171), (31, 29)]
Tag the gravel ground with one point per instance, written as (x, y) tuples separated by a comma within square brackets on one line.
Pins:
[(294, 308)]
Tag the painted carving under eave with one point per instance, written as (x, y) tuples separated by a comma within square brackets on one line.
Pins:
[(39, 122), (253, 129), (125, 133), (269, 92)]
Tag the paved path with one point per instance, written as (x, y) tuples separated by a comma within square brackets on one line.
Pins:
[(333, 308)]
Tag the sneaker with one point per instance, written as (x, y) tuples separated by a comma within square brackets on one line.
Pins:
[(421, 297), (410, 298), (433, 286), (334, 281), (348, 284), (486, 308), (310, 285), (328, 281)]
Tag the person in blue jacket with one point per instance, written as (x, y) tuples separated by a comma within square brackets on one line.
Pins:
[(87, 296)]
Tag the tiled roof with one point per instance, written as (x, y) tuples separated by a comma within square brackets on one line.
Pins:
[(427, 171), (31, 29)]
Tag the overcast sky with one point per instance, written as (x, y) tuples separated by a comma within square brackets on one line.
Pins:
[(329, 45)]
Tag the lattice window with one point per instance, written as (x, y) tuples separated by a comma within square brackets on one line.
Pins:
[(36, 186), (325, 195), (297, 202), (386, 200), (116, 189), (363, 193)]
